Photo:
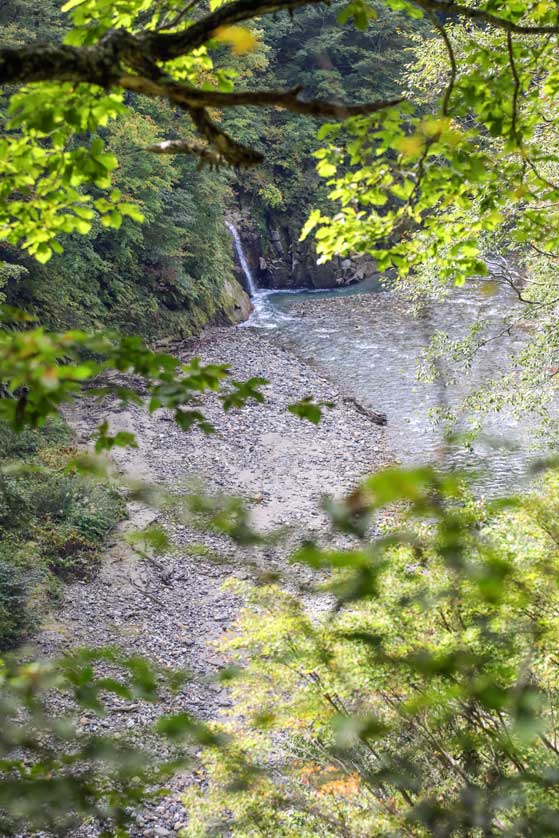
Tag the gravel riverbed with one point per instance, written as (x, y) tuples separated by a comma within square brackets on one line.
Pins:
[(174, 610)]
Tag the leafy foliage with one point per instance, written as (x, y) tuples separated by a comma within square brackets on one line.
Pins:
[(432, 179), (54, 769), (52, 173), (422, 700), (41, 371), (163, 277), (309, 409)]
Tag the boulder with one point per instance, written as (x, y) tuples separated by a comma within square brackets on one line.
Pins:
[(235, 303)]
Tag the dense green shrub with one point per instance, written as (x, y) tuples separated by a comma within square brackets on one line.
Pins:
[(96, 512), (52, 524), (50, 496)]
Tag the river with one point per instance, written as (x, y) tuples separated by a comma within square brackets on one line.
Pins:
[(367, 341)]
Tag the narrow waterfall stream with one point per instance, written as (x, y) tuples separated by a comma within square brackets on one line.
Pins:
[(263, 314), (250, 281)]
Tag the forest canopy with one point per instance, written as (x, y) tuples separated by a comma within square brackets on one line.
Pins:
[(484, 144)]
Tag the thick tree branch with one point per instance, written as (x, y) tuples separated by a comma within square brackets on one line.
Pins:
[(228, 150), (105, 62), (235, 153), (476, 13), (133, 62), (451, 57), (184, 95), (206, 155), (56, 62)]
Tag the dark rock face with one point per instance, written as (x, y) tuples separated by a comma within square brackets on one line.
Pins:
[(279, 260), (300, 270)]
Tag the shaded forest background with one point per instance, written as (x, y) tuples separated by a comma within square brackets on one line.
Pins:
[(173, 274)]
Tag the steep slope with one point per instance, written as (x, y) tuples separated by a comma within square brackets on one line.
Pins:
[(170, 275)]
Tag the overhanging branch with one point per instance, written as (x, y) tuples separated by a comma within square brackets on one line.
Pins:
[(57, 62), (206, 155), (134, 62), (233, 152), (289, 100), (105, 62)]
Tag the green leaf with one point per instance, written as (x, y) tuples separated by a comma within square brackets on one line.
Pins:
[(308, 409)]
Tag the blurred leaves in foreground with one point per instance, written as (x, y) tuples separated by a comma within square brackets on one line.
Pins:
[(411, 689), (56, 768), (416, 692)]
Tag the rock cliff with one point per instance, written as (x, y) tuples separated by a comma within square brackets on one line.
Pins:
[(279, 260)]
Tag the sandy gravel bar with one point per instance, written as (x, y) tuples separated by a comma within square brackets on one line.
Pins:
[(175, 609)]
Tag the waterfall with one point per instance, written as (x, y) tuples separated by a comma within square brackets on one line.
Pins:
[(264, 315), (251, 282)]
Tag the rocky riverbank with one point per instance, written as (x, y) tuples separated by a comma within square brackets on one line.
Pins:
[(173, 610)]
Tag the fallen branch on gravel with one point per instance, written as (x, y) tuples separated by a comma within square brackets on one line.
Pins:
[(373, 415)]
